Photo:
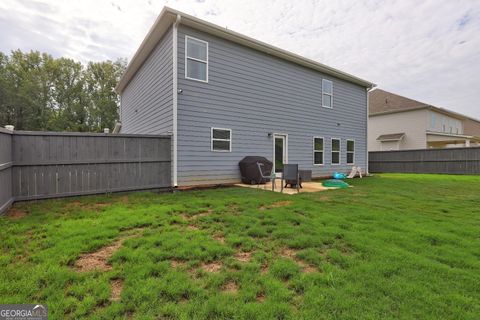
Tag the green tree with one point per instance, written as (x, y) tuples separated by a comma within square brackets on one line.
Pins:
[(28, 77), (38, 92), (69, 97), (101, 79)]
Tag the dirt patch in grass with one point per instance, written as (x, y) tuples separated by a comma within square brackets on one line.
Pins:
[(233, 208), (194, 216), (230, 287), (243, 256), (15, 213), (88, 205), (306, 268), (278, 204), (192, 227), (219, 238), (177, 263), (117, 287), (290, 253), (98, 260), (260, 297), (214, 266), (264, 269)]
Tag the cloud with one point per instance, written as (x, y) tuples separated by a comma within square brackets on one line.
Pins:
[(428, 50)]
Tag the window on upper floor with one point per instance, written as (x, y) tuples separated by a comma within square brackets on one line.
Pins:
[(317, 150), (335, 148), (221, 140), (433, 121), (327, 93), (196, 59)]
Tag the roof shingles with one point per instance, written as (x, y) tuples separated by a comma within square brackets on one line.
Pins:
[(382, 101)]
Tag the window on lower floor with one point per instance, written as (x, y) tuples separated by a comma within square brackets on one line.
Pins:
[(335, 151), (350, 151), (221, 140), (317, 150)]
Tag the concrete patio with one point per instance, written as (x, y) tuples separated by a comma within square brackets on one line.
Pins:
[(314, 186)]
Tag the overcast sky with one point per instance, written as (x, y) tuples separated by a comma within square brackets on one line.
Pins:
[(425, 50)]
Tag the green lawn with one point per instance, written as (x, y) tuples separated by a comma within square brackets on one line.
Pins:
[(393, 246)]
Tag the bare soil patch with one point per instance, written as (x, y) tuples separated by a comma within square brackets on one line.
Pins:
[(88, 206), (230, 287), (177, 263), (260, 297), (243, 256), (307, 268), (264, 269), (276, 205), (117, 287), (98, 260), (214, 266), (196, 215), (15, 213), (290, 253), (192, 227), (219, 238)]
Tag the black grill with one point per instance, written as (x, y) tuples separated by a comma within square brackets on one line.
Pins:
[(249, 169)]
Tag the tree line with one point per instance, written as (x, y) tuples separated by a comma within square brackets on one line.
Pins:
[(39, 92)]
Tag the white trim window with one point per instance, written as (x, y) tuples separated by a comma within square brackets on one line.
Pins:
[(327, 93), (221, 140), (335, 149), (196, 59), (318, 151), (350, 151)]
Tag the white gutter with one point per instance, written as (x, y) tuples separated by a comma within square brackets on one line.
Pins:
[(366, 127), (175, 101)]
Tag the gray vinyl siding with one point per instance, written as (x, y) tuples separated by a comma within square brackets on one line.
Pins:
[(253, 94), (146, 102)]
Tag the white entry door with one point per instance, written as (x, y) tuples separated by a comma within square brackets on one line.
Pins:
[(279, 152)]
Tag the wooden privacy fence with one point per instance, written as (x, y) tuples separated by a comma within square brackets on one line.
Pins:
[(6, 197), (38, 165), (450, 161)]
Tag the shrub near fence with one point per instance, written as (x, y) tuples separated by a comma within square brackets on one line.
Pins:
[(38, 165), (449, 161)]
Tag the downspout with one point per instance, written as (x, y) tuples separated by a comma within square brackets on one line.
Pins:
[(175, 101), (367, 171)]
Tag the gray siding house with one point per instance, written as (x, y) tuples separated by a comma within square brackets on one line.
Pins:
[(223, 96)]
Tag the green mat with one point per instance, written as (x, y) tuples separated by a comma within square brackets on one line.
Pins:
[(335, 183)]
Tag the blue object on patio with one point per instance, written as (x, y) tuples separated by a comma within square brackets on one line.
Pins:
[(339, 175)]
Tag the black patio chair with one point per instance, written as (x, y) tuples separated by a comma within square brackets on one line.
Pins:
[(265, 176), (291, 176)]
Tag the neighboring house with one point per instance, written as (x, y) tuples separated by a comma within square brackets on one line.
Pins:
[(223, 96), (399, 123)]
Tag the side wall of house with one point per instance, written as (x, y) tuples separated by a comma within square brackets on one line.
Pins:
[(255, 94), (471, 127), (146, 102), (413, 123)]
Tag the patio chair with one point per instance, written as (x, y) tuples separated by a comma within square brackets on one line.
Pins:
[(354, 172), (291, 176), (265, 176)]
